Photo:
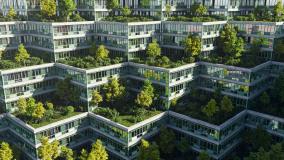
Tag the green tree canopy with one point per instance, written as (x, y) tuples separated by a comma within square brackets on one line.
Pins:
[(83, 155), (31, 105), (113, 90), (22, 54), (197, 9), (168, 10), (98, 151), (153, 50), (66, 92), (66, 153), (145, 3), (166, 140), (231, 45), (278, 11), (112, 4), (11, 13), (148, 151), (48, 8), (257, 44), (66, 8), (145, 97), (102, 53), (6, 152), (226, 105), (39, 111), (211, 108), (47, 150), (203, 156), (126, 11), (96, 98), (22, 105), (192, 45)]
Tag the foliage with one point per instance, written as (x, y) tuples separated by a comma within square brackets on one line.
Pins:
[(148, 151), (66, 153), (113, 90), (11, 14), (183, 145), (22, 55), (96, 98), (22, 105), (69, 110), (168, 10), (279, 49), (192, 45), (48, 8), (77, 18), (197, 9), (6, 152), (257, 44), (211, 108), (66, 7), (112, 4), (145, 97), (145, 3), (39, 111), (102, 53), (262, 13), (276, 152), (278, 11), (98, 151), (133, 18), (93, 49), (278, 89), (47, 150), (1, 54), (203, 156), (66, 92), (126, 11), (226, 105), (166, 140), (257, 138), (83, 155), (231, 45), (153, 50)]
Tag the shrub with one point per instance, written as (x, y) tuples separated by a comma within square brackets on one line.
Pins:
[(69, 110)]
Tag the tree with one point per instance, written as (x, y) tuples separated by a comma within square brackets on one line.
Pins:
[(113, 90), (93, 49), (278, 11), (96, 98), (22, 105), (257, 138), (260, 155), (1, 54), (168, 10), (126, 11), (145, 3), (153, 50), (231, 45), (66, 92), (11, 13), (145, 97), (192, 45), (112, 4), (183, 145), (31, 104), (227, 105), (278, 48), (22, 54), (166, 140), (278, 89), (203, 156), (39, 111), (197, 9), (276, 152), (48, 8), (98, 151), (48, 151), (6, 152), (83, 155), (257, 44), (102, 53), (66, 7), (66, 153), (210, 109), (148, 151), (264, 99)]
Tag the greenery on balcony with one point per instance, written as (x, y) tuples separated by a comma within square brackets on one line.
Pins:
[(121, 106), (263, 13), (38, 114), (212, 108), (99, 56), (272, 100), (133, 18), (21, 58)]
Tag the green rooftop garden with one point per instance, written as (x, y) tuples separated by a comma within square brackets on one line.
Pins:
[(190, 18), (263, 13), (212, 108), (99, 56), (20, 59), (132, 18), (116, 103)]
